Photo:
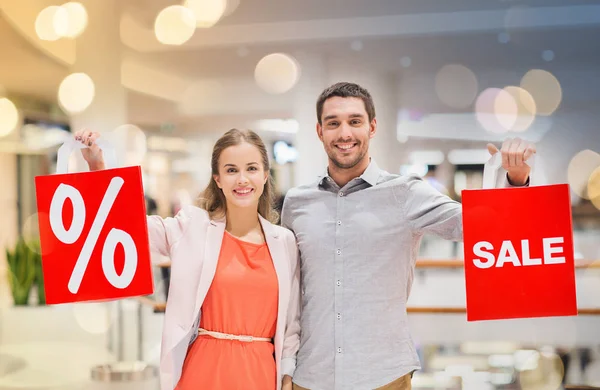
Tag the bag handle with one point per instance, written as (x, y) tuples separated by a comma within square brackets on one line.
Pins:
[(70, 144), (494, 165)]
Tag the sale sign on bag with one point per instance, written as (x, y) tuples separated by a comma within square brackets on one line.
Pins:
[(518, 248), (93, 231)]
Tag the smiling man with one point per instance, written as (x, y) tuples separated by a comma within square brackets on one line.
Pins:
[(359, 229)]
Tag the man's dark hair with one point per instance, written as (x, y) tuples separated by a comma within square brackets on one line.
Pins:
[(345, 89)]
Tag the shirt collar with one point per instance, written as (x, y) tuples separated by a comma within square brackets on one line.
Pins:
[(370, 175)]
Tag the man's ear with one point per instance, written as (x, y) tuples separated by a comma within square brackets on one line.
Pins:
[(372, 128), (320, 131)]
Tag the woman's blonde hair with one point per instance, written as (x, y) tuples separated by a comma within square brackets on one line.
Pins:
[(212, 198)]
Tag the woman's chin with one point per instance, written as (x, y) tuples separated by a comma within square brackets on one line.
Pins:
[(244, 203)]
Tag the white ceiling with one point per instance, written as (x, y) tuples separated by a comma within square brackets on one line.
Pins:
[(24, 69), (216, 55), (267, 11)]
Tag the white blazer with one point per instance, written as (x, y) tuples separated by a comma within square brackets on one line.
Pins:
[(193, 242)]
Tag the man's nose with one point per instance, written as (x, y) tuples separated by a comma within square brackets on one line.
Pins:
[(345, 131)]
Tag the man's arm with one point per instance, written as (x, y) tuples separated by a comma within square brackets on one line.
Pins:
[(428, 211), (286, 220)]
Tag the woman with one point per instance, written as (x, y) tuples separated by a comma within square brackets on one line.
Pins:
[(232, 317)]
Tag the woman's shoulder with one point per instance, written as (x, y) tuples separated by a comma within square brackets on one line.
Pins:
[(284, 232), (191, 214)]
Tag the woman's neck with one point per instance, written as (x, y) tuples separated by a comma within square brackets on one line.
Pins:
[(240, 221)]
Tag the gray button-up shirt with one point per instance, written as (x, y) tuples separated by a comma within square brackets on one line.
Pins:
[(358, 247)]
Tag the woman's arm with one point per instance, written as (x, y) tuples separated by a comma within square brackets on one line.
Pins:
[(291, 340)]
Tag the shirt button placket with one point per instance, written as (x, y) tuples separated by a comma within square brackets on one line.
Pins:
[(338, 300)]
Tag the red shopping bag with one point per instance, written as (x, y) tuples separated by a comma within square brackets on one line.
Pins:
[(93, 232), (518, 248)]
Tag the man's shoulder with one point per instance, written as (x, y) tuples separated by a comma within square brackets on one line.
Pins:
[(387, 179), (302, 191)]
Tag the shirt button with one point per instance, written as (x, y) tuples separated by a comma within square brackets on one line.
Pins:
[(339, 252), (341, 193), (339, 283), (339, 316), (339, 350), (339, 222)]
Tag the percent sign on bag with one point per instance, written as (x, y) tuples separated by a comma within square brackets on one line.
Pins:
[(93, 232)]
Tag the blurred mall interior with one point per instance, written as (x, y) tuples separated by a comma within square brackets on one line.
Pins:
[(164, 79)]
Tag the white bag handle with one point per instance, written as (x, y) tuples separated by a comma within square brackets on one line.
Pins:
[(494, 165), (70, 144)]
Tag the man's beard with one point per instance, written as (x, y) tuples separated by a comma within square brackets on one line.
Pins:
[(351, 164)]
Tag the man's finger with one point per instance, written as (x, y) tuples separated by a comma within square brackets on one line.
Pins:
[(492, 149), (504, 151), (513, 151), (520, 156), (92, 139), (529, 151)]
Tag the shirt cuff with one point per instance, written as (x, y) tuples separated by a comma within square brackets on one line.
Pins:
[(509, 184), (288, 366)]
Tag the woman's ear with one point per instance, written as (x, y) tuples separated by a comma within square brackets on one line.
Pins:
[(216, 179)]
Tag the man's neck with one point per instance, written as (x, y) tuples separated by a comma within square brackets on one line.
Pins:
[(341, 176)]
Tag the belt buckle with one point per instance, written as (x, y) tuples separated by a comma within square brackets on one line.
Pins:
[(247, 339)]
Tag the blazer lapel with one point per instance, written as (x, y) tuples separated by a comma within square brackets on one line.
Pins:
[(277, 250), (212, 249)]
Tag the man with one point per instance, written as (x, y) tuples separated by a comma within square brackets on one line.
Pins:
[(358, 230)]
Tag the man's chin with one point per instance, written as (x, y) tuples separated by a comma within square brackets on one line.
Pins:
[(345, 163)]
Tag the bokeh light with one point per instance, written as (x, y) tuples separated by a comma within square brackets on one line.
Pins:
[(593, 187), (93, 317), (581, 170), (31, 232), (547, 55), (506, 109), (232, 5), (495, 110), (9, 117), (503, 37), (76, 92), (76, 22), (525, 108), (456, 85), (545, 90), (134, 141), (174, 25), (51, 23), (206, 12), (277, 73)]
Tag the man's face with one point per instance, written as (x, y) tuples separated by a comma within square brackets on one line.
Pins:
[(345, 131)]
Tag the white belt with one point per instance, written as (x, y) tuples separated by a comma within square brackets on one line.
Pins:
[(225, 336)]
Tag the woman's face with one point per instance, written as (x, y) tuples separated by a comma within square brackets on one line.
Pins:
[(242, 176)]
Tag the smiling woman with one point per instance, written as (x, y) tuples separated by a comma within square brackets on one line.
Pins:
[(241, 180), (232, 313)]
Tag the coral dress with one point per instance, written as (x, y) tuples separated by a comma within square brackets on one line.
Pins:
[(242, 300)]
